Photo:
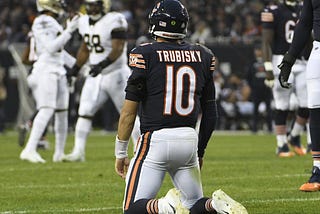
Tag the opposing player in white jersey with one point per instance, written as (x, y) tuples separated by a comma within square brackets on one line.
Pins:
[(52, 93), (105, 47)]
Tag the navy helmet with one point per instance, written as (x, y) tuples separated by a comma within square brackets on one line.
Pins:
[(168, 19)]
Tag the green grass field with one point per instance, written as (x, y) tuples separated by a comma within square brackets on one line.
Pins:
[(244, 166)]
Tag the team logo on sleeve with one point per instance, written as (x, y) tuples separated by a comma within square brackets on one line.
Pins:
[(136, 60), (267, 17)]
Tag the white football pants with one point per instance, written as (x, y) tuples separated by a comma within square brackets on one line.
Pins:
[(172, 150)]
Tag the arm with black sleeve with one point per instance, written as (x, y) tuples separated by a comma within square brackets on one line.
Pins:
[(302, 34), (208, 119)]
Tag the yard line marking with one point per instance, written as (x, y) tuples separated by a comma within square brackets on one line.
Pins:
[(80, 210), (281, 200), (57, 186), (84, 210)]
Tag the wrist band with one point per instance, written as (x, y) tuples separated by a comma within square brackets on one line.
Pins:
[(268, 66), (121, 148), (104, 63)]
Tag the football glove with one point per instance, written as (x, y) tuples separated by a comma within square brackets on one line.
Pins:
[(269, 70), (96, 69), (72, 24), (73, 72), (285, 70)]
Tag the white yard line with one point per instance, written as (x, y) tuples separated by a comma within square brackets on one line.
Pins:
[(101, 209)]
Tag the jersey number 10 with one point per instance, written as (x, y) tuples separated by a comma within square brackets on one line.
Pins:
[(176, 93)]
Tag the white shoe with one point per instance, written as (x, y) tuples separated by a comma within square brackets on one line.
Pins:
[(74, 157), (31, 156), (58, 157), (171, 203), (223, 204)]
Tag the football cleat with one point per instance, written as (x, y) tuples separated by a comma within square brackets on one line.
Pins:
[(224, 204), (58, 157), (33, 157), (171, 203), (284, 151), (313, 184), (74, 157), (295, 143)]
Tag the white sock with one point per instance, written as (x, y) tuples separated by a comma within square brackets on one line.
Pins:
[(308, 134), (164, 207), (281, 140), (83, 127), (61, 131), (297, 129), (39, 125), (316, 163)]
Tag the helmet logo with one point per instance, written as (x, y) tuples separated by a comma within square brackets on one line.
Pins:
[(173, 22), (162, 24)]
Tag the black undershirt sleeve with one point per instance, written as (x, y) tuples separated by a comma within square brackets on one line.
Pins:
[(303, 29)]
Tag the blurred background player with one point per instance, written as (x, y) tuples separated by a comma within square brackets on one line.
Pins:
[(172, 81), (52, 93), (28, 58), (261, 94), (278, 22), (105, 47), (309, 21)]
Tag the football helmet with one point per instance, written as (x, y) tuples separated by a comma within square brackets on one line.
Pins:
[(54, 6), (96, 8), (168, 19), (291, 3)]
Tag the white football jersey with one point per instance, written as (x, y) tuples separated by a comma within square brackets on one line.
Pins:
[(49, 39), (98, 38)]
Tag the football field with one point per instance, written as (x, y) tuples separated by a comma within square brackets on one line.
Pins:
[(243, 165)]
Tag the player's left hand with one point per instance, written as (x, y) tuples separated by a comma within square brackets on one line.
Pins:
[(285, 70), (121, 166), (95, 70)]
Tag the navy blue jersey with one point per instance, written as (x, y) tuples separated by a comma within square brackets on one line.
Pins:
[(177, 80), (282, 21), (309, 20)]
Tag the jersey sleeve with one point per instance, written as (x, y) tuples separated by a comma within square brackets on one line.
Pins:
[(119, 21), (136, 85), (268, 18), (209, 109)]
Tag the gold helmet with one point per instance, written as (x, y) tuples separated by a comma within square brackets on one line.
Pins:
[(54, 6)]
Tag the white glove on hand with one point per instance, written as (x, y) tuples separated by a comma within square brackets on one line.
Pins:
[(72, 24), (269, 83)]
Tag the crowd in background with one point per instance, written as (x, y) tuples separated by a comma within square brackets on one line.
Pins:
[(219, 21), (210, 21)]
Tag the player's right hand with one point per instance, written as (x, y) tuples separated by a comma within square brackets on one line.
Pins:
[(72, 24), (73, 72), (268, 67), (285, 70), (121, 166)]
